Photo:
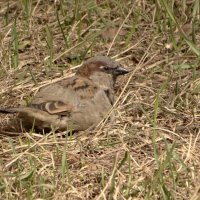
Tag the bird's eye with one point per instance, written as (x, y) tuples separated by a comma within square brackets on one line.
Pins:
[(104, 68)]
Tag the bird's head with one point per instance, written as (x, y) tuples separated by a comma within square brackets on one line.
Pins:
[(101, 65)]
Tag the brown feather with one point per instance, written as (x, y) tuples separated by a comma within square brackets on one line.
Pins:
[(74, 103)]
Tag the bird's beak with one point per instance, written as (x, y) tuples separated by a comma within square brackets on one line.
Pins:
[(119, 70)]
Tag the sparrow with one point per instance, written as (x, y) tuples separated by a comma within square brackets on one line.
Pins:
[(76, 103)]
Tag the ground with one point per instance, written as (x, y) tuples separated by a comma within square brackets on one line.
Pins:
[(151, 151)]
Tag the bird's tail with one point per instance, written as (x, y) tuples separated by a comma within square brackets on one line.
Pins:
[(8, 110)]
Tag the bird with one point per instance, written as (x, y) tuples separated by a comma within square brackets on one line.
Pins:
[(75, 103)]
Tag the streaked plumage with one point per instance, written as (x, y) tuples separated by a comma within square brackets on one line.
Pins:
[(75, 103)]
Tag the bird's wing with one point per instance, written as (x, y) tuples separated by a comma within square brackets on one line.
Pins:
[(63, 97), (54, 107), (83, 87)]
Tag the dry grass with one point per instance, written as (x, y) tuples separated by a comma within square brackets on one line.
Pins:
[(152, 150)]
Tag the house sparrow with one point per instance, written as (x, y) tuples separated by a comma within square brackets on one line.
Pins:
[(74, 103)]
